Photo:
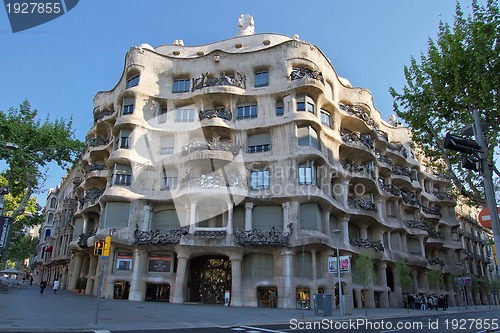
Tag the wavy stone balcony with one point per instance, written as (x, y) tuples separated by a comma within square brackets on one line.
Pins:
[(216, 144), (433, 210), (365, 168), (366, 243), (354, 137), (97, 142), (358, 112), (205, 80), (257, 237), (362, 203), (299, 73), (410, 198), (215, 180), (158, 237), (392, 189), (443, 195), (398, 148), (90, 197), (103, 114)]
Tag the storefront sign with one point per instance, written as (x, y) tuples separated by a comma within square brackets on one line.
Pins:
[(160, 264), (124, 261)]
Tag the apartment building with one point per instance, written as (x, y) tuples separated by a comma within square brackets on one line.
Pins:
[(236, 169)]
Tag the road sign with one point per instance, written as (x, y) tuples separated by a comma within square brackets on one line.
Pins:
[(484, 217)]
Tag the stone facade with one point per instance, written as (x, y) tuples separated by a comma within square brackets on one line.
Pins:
[(226, 168)]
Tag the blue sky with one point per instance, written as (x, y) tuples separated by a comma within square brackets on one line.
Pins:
[(59, 66)]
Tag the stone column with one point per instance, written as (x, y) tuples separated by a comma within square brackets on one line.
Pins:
[(404, 243), (146, 223), (422, 247), (344, 229), (286, 217), (180, 277), (288, 294), (76, 273), (236, 281), (326, 223), (192, 217), (229, 218), (382, 281), (248, 216), (137, 285), (85, 227), (389, 246)]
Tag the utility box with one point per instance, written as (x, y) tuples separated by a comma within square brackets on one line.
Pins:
[(322, 305)]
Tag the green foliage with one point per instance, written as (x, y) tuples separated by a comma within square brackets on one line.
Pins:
[(40, 143), (458, 74), (365, 270), (436, 278), (403, 272)]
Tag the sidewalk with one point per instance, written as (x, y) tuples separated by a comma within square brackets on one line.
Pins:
[(23, 310)]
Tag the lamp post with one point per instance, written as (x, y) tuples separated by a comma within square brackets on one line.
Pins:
[(341, 302)]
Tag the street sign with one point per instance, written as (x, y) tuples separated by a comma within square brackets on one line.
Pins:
[(484, 217), (5, 225)]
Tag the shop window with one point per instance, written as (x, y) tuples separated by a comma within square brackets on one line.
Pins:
[(123, 261)]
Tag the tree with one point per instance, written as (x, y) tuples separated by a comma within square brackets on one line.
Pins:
[(436, 278), (21, 245), (405, 279), (458, 74), (365, 272), (486, 288), (40, 143)]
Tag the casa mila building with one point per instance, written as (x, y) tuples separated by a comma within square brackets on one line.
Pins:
[(236, 169)]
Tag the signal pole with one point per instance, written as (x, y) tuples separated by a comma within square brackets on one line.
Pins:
[(487, 182)]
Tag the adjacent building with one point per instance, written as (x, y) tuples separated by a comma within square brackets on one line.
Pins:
[(237, 168)]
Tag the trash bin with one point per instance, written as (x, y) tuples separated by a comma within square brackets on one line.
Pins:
[(322, 305)]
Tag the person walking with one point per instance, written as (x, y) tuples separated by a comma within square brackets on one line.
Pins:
[(43, 285), (55, 286)]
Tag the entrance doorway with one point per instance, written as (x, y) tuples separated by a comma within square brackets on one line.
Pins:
[(157, 292), (210, 277), (267, 297), (121, 290)]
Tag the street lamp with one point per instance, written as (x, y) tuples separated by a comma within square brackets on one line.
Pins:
[(341, 302)]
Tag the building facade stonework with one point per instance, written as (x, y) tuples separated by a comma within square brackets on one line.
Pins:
[(226, 168)]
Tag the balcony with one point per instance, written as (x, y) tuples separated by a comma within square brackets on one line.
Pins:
[(398, 148), (215, 144), (363, 204), (365, 168), (157, 237), (392, 189), (355, 137), (299, 73), (410, 198), (216, 113), (361, 114), (97, 142), (436, 261), (258, 237), (433, 210), (366, 243), (223, 80), (103, 113)]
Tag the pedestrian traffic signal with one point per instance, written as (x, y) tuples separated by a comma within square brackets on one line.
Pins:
[(107, 246), (99, 248)]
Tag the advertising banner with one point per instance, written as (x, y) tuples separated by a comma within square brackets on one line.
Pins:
[(5, 226), (345, 264)]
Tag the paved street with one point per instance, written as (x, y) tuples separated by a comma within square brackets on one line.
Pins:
[(25, 310)]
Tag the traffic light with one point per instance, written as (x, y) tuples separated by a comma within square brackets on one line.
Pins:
[(107, 246), (460, 144), (99, 248)]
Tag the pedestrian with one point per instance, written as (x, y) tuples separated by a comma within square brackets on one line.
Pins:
[(55, 286), (43, 285), (31, 281)]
